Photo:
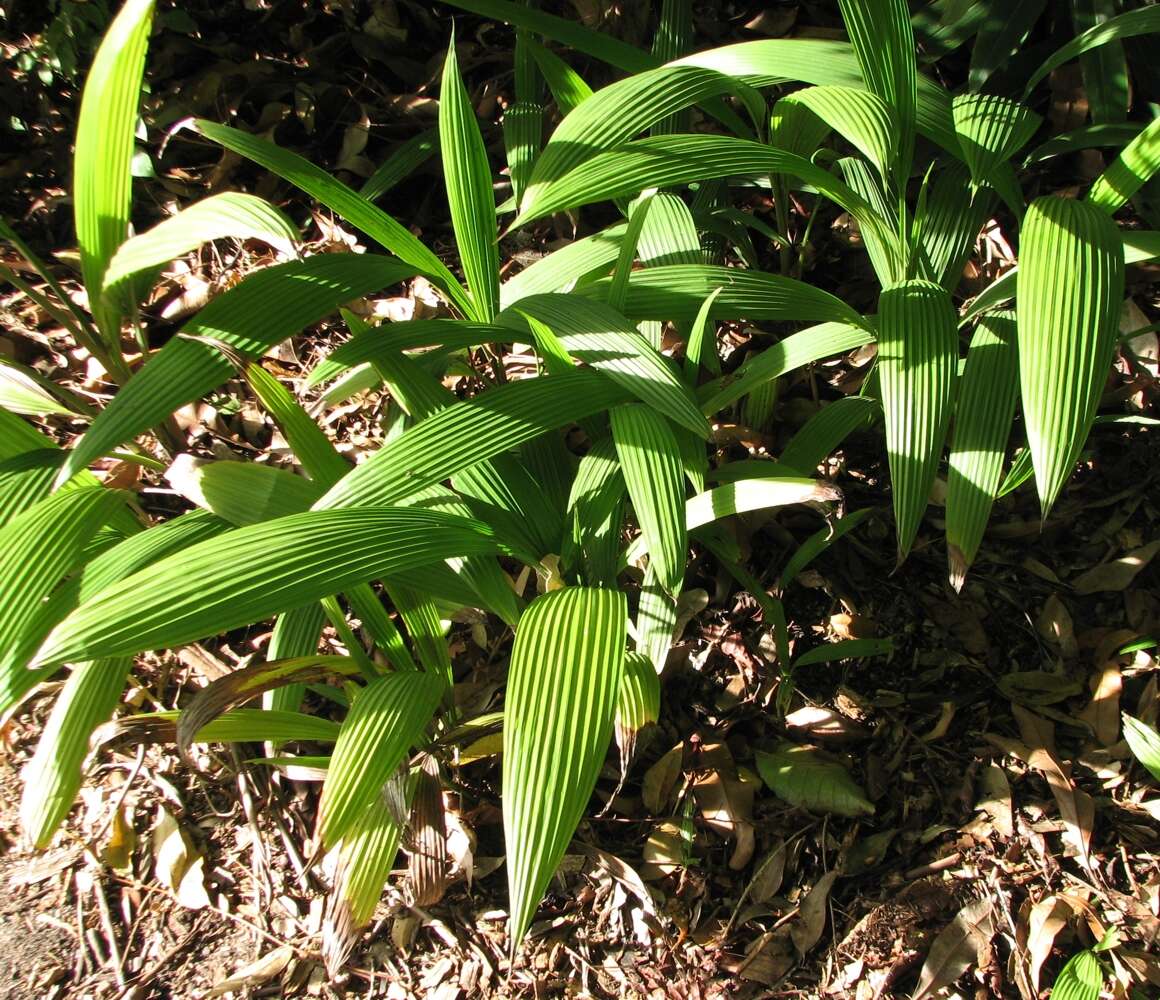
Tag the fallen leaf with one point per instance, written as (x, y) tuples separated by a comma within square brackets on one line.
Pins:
[(956, 948), (1103, 712), (177, 864), (118, 850), (660, 779), (809, 778), (824, 724), (806, 931), (1117, 574), (768, 876), (995, 800), (1055, 625), (1048, 917), (726, 805), (1037, 687), (663, 852), (256, 973)]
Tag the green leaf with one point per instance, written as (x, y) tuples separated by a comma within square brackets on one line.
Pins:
[(1084, 137), (567, 86), (817, 543), (1081, 979), (811, 779), (562, 269), (1105, 70), (469, 191), (595, 513), (1144, 21), (468, 432), (243, 725), (523, 130), (565, 674), (883, 40), (350, 206), (669, 161), (825, 430), (53, 776), (988, 393), (796, 351), (28, 393), (242, 492), (252, 573), (651, 460), (249, 319), (860, 117), (1137, 163), (746, 495), (638, 703), (233, 214), (1071, 287), (950, 225), (656, 622), (37, 549), (991, 130), (638, 214), (365, 859), (404, 160), (917, 359), (1144, 742), (102, 182), (1000, 38), (846, 649), (385, 720), (601, 337), (678, 291)]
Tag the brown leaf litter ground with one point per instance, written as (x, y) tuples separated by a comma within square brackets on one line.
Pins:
[(1010, 826)]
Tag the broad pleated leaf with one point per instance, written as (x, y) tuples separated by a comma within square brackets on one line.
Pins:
[(249, 319), (988, 392), (1105, 70), (1081, 978), (638, 214), (233, 214), (469, 191), (917, 360), (651, 460), (404, 160), (1144, 21), (860, 117), (241, 686), (365, 859), (37, 549), (656, 622), (615, 114), (747, 495), (1130, 171), (53, 776), (562, 269), (669, 161), (243, 725), (1084, 137), (566, 668), (523, 130), (951, 223), (817, 61), (1071, 287), (567, 86), (26, 478), (638, 703), (826, 429), (795, 351), (678, 291), (1000, 38), (595, 513), (385, 720), (883, 40), (252, 573), (466, 433), (242, 492), (348, 204), (601, 337), (1144, 742), (991, 130), (27, 392), (102, 180)]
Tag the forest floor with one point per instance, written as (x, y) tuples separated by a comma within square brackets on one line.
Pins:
[(1011, 825)]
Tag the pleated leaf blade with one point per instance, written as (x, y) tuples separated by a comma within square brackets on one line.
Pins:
[(1070, 287), (566, 669)]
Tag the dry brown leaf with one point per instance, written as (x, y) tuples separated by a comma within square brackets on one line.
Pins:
[(1055, 625), (1117, 574), (726, 805), (806, 931), (770, 873), (663, 852), (1048, 917), (1076, 808), (824, 724), (256, 973), (995, 800), (176, 862), (660, 779), (956, 948), (1037, 732), (1103, 712)]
